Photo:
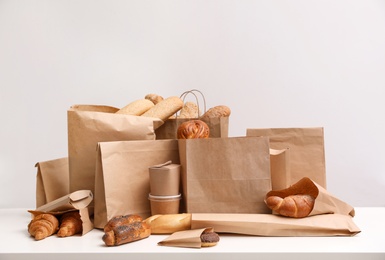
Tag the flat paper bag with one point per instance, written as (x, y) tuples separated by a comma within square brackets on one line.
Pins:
[(225, 175), (219, 127), (52, 180), (90, 124), (324, 203), (78, 200), (305, 150), (186, 238), (277, 226), (122, 181)]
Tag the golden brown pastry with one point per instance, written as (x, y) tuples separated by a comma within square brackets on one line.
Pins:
[(209, 238), (121, 220), (165, 108), (136, 108), (193, 129), (126, 233), (217, 111), (189, 110), (70, 224), (43, 225), (169, 223), (154, 98), (295, 206)]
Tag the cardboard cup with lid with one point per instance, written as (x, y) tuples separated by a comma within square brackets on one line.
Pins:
[(165, 179)]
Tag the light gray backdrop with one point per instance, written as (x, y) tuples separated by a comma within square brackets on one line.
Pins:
[(274, 63)]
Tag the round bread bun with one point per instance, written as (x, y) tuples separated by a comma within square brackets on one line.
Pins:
[(209, 238)]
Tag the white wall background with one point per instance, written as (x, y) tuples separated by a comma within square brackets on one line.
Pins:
[(274, 63)]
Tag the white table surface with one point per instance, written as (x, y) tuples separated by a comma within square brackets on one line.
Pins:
[(16, 243)]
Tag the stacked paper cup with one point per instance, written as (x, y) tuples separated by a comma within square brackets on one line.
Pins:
[(165, 188)]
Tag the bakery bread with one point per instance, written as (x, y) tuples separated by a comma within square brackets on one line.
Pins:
[(295, 206), (43, 225), (169, 223), (123, 234), (121, 220), (193, 129), (217, 111), (70, 224), (154, 98), (165, 108), (189, 110), (136, 108), (209, 238)]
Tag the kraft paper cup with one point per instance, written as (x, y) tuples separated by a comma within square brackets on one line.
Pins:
[(164, 204), (165, 180)]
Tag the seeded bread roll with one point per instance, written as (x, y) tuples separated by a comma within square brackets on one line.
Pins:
[(209, 238), (166, 108), (217, 111), (136, 108), (189, 110)]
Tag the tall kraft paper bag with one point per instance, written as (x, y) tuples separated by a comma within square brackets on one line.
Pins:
[(225, 175), (305, 151), (90, 124), (122, 182), (52, 180)]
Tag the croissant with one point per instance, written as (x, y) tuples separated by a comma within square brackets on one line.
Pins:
[(70, 224), (43, 225), (193, 129), (295, 206)]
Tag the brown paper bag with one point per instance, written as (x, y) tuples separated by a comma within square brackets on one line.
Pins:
[(325, 202), (305, 150), (122, 180), (52, 180), (279, 168), (90, 124), (273, 225), (78, 200), (186, 238), (225, 175)]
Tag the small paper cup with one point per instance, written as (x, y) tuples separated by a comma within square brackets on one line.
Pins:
[(164, 204), (165, 180)]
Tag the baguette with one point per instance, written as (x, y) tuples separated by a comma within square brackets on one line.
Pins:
[(164, 109), (217, 111), (189, 110), (169, 223), (154, 98), (136, 108)]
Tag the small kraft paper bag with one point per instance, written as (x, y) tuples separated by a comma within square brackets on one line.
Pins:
[(305, 151), (122, 183), (52, 180), (90, 124), (185, 238), (218, 126), (225, 175), (78, 200)]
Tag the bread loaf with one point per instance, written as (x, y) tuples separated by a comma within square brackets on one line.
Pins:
[(217, 111), (169, 223), (295, 206), (123, 234), (193, 129), (70, 224), (43, 225), (154, 98), (121, 220), (136, 108), (164, 109), (189, 110)]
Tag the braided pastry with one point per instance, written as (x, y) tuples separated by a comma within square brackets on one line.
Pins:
[(193, 129)]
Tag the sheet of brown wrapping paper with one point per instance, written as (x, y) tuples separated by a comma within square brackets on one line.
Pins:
[(186, 238), (78, 200), (273, 225), (122, 182), (90, 124), (306, 151), (219, 127), (52, 180), (225, 175), (324, 201)]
